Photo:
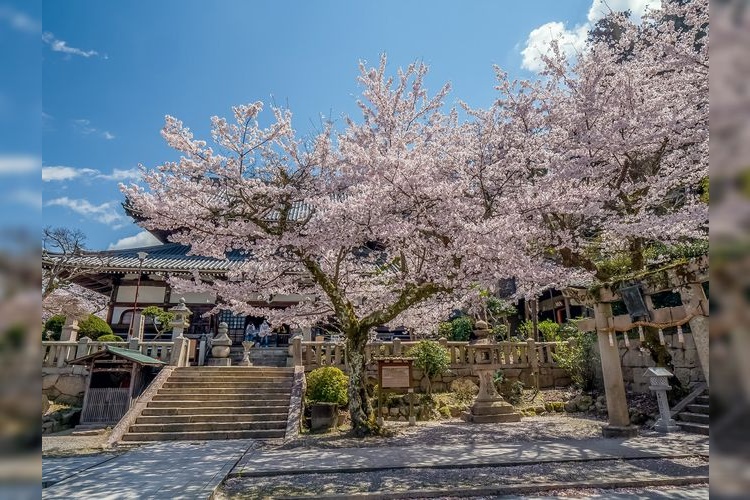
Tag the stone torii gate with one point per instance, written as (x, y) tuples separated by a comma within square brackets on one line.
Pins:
[(687, 279)]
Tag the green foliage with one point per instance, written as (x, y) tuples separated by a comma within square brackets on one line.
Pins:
[(93, 327), (548, 330), (578, 359), (461, 329), (445, 329), (430, 357), (500, 331), (160, 318), (54, 325), (513, 392), (109, 338), (327, 385)]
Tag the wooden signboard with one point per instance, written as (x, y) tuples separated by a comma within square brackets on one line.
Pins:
[(394, 374)]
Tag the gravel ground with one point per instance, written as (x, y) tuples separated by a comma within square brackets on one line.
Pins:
[(65, 443), (313, 485), (540, 428)]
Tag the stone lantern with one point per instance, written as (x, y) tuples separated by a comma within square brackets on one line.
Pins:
[(181, 319), (221, 346), (659, 379)]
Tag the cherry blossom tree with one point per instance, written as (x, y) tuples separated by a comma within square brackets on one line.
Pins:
[(385, 222)]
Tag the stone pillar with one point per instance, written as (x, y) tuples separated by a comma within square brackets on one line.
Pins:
[(297, 350), (397, 347), (136, 329), (614, 385), (181, 319), (83, 347), (69, 330), (695, 302), (306, 333)]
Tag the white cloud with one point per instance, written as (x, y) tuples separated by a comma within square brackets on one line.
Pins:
[(19, 164), (142, 239), (64, 173), (122, 174), (106, 213), (61, 173), (62, 46), (19, 21), (572, 40), (83, 126)]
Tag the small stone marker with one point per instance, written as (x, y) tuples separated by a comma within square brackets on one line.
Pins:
[(659, 378)]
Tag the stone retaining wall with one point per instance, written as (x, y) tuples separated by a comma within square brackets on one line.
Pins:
[(64, 385), (687, 366)]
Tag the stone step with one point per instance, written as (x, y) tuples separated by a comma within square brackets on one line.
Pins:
[(219, 403), (698, 408), (695, 428), (699, 418), (238, 396), (492, 419), (217, 392), (250, 378), (234, 369), (208, 426), (204, 435), (224, 410), (213, 417), (221, 385), (703, 400)]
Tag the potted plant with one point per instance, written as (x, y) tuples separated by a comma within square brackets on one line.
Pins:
[(326, 391)]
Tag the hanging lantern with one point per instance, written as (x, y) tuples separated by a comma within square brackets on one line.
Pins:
[(640, 333), (627, 340), (661, 336), (680, 336)]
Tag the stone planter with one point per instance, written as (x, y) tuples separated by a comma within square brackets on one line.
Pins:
[(324, 416)]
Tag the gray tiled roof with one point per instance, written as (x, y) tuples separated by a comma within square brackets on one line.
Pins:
[(171, 257)]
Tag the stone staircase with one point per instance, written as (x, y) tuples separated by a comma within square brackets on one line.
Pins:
[(197, 403), (695, 417)]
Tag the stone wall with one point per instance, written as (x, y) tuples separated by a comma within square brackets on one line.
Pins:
[(549, 377), (685, 360), (65, 385)]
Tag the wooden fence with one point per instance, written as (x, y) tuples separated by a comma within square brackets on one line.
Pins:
[(105, 405)]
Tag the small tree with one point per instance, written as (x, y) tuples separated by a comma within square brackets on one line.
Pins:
[(160, 318), (327, 384), (430, 357)]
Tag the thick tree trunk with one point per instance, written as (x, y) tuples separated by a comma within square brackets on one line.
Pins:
[(360, 408), (637, 260)]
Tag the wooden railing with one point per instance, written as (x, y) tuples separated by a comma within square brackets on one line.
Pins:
[(529, 354), (58, 353)]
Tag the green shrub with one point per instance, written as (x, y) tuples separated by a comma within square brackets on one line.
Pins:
[(109, 338), (430, 357), (445, 329), (579, 359), (500, 332), (548, 330), (513, 392), (54, 325), (327, 385), (461, 329), (93, 327)]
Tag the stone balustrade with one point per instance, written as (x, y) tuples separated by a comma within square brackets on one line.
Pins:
[(58, 353), (529, 354)]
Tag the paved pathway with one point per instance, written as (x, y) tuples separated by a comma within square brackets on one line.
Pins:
[(313, 460), (161, 470)]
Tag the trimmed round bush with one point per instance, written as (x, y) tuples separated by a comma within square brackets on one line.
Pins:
[(93, 327), (54, 325), (327, 385), (109, 338)]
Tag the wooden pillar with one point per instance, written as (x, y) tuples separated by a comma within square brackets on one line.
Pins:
[(695, 302), (614, 385)]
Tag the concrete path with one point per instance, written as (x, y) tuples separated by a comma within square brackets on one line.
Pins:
[(161, 470), (321, 460)]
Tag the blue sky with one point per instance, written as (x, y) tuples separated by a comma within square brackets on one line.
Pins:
[(112, 70)]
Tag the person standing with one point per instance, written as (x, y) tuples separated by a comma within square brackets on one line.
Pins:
[(264, 333), (250, 332)]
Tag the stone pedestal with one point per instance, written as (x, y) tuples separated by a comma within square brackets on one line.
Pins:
[(246, 346), (659, 378), (489, 407)]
